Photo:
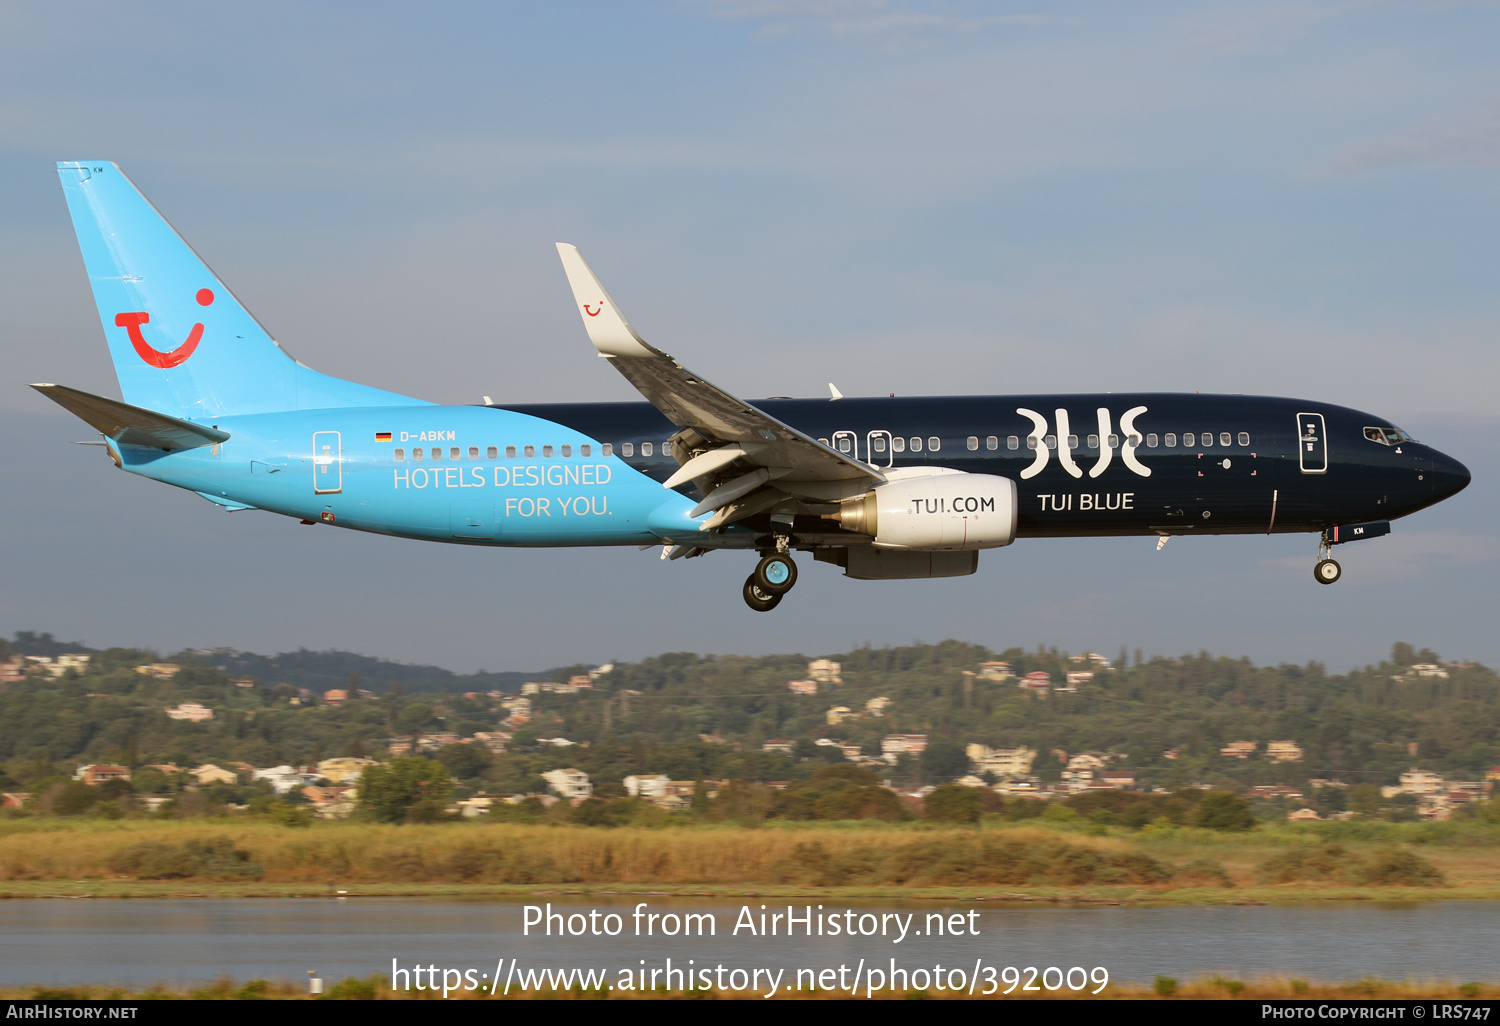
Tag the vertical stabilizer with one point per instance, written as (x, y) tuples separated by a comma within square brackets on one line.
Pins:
[(181, 342)]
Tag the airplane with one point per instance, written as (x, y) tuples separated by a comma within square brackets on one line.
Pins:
[(883, 488)]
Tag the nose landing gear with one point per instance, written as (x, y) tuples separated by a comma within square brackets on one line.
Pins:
[(1327, 570)]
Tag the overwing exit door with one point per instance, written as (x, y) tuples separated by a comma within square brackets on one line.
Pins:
[(1312, 443), (328, 463), (846, 442)]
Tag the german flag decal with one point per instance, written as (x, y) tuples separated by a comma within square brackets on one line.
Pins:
[(382, 436)]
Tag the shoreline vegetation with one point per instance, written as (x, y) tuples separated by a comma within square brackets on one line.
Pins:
[(993, 861)]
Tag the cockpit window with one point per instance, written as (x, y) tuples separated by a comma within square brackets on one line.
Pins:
[(1388, 435)]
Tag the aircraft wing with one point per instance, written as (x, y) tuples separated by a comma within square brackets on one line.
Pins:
[(742, 460)]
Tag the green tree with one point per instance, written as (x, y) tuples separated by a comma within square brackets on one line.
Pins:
[(464, 762), (387, 793), (1364, 800), (953, 803), (944, 760), (1223, 810)]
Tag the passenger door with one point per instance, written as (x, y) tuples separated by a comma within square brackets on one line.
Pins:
[(1312, 443)]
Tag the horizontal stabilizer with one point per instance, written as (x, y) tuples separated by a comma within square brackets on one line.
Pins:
[(131, 425)]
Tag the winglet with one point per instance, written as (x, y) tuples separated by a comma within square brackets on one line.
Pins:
[(608, 329)]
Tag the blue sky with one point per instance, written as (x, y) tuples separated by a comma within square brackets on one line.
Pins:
[(1282, 198)]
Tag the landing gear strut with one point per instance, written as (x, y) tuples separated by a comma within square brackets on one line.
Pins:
[(1328, 570)]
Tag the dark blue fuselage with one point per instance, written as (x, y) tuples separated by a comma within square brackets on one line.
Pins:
[(1251, 466)]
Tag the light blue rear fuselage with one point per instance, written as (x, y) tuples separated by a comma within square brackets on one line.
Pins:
[(327, 465)]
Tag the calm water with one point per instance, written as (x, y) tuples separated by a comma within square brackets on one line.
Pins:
[(143, 942)]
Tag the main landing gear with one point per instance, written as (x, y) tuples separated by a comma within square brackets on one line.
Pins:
[(1327, 570), (773, 577)]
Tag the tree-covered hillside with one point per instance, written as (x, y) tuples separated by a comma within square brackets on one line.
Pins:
[(684, 715)]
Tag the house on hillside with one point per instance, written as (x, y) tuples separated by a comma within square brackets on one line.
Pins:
[(893, 746), (825, 671), (97, 774), (345, 769), (1284, 751), (208, 773), (193, 712), (1001, 762), (570, 783)]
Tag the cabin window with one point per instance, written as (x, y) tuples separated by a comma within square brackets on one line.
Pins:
[(898, 445), (530, 452), (647, 448), (1052, 441), (1134, 441), (606, 450), (1151, 441), (567, 451), (1072, 441), (584, 450), (822, 441), (878, 443), (991, 442), (1170, 439), (973, 443), (416, 454), (1244, 438), (400, 455), (1012, 442), (1113, 441), (1031, 441), (1224, 438), (1093, 441), (1189, 439), (934, 443), (510, 452), (627, 449), (437, 452), (546, 452), (473, 452), (666, 448), (844, 443), (491, 453), (916, 445)]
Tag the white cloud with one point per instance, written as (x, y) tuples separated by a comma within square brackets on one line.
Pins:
[(1471, 140)]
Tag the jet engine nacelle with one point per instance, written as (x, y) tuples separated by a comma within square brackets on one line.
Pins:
[(939, 510)]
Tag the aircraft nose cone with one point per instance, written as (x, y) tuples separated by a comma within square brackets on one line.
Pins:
[(1448, 476)]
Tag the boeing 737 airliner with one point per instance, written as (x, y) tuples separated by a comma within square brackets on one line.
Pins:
[(884, 488)]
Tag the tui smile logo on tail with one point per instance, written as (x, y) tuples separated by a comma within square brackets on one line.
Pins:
[(132, 322)]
